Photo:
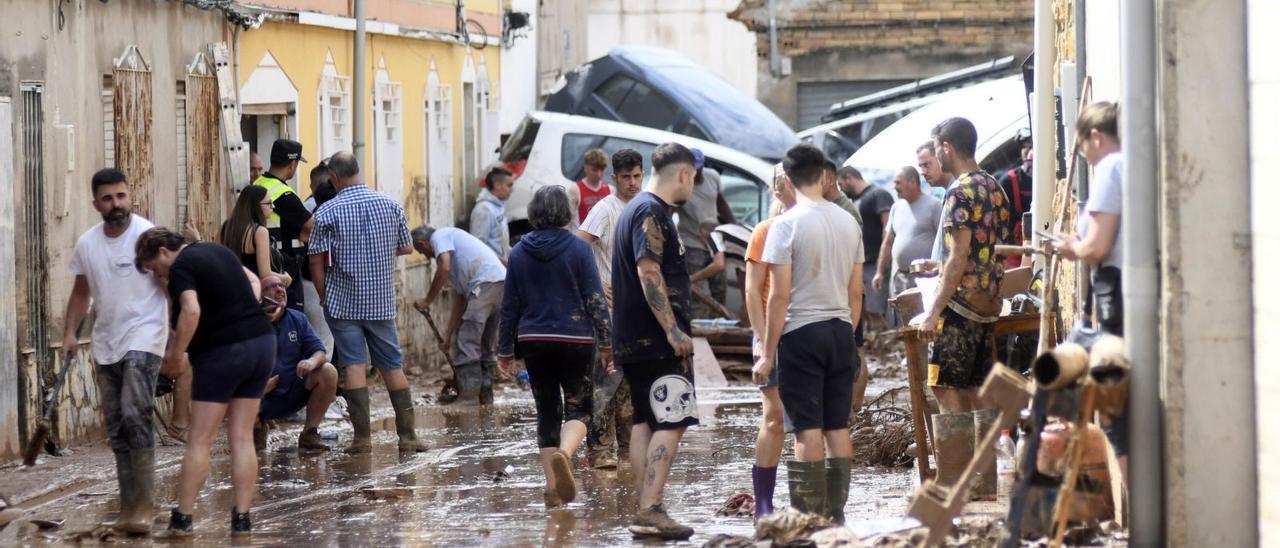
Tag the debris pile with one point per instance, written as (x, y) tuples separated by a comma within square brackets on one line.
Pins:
[(882, 431)]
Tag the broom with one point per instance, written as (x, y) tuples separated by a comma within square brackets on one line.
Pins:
[(44, 426)]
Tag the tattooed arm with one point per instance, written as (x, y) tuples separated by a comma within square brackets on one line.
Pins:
[(655, 292)]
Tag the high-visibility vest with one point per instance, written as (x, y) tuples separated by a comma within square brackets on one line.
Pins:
[(275, 189)]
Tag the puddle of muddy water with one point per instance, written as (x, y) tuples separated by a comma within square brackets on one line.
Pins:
[(461, 493)]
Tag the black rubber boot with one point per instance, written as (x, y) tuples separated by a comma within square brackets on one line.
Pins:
[(402, 403), (136, 519), (838, 476), (807, 482), (358, 409), (487, 371), (128, 499), (240, 522), (179, 523)]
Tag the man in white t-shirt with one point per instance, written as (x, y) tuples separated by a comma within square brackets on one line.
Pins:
[(597, 230), (815, 301), (129, 336)]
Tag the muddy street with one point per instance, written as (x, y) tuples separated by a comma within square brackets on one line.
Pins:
[(479, 484)]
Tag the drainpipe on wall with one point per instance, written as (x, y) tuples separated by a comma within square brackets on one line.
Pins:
[(1139, 236), (1043, 130), (358, 89), (774, 68)]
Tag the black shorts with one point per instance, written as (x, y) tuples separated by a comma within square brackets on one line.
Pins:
[(961, 356), (236, 370), (662, 393), (560, 377), (817, 366)]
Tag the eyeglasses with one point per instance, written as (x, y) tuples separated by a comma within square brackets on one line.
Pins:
[(273, 286), (268, 203)]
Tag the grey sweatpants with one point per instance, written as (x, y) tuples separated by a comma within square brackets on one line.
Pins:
[(127, 390), (477, 335)]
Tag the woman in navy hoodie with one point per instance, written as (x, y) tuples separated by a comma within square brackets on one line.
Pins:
[(554, 317)]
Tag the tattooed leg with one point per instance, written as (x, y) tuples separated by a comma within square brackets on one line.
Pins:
[(662, 452)]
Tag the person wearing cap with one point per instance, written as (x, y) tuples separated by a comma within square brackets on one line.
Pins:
[(290, 223), (694, 221)]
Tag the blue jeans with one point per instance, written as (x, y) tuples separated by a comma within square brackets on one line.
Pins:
[(354, 341), (127, 390)]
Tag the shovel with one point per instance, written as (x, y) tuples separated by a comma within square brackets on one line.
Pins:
[(449, 392), (43, 428)]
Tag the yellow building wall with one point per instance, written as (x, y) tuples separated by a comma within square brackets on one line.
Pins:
[(301, 50)]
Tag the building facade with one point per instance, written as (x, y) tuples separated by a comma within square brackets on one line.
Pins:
[(87, 85), (829, 51)]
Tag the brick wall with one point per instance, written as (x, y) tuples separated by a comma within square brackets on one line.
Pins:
[(889, 25)]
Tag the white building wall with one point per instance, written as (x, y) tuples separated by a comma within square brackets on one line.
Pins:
[(699, 29), (1264, 161), (519, 80)]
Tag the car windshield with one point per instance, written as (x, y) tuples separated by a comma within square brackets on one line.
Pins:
[(575, 146), (747, 197), (520, 144)]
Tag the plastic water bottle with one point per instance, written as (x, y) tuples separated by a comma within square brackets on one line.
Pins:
[(1005, 466)]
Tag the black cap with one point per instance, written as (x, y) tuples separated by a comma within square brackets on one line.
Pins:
[(285, 151)]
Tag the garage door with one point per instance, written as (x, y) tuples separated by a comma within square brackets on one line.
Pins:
[(814, 98)]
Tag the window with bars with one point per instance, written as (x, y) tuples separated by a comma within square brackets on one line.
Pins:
[(388, 109), (335, 113)]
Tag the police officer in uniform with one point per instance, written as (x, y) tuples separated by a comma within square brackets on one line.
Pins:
[(290, 224)]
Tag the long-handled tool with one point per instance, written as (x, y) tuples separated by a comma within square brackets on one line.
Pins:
[(448, 393), (44, 427)]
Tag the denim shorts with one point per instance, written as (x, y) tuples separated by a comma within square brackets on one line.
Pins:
[(354, 341)]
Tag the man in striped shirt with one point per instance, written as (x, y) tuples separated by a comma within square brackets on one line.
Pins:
[(353, 250)]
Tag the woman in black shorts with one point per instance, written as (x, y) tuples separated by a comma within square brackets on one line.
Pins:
[(219, 323), (553, 316)]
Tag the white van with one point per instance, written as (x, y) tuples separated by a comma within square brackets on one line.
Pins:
[(547, 149), (998, 109)]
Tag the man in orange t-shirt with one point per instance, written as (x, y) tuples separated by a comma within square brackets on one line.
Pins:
[(764, 473)]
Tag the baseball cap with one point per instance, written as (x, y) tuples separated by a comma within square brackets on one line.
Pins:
[(284, 151), (698, 158)]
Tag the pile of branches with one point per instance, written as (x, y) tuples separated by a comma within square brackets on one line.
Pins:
[(882, 431)]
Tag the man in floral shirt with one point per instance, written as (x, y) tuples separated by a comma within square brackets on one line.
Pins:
[(975, 216)]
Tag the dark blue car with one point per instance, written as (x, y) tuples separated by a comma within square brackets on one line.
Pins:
[(662, 89)]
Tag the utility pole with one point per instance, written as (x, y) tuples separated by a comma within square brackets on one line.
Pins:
[(358, 107)]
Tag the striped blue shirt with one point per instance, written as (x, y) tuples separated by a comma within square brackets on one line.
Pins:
[(361, 230)]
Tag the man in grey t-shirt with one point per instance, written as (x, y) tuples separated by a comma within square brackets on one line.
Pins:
[(815, 300), (913, 222), (694, 220)]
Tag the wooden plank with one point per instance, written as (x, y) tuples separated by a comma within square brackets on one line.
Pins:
[(916, 361), (131, 94), (706, 368)]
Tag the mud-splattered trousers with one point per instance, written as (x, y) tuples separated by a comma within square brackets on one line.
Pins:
[(560, 376), (127, 390)]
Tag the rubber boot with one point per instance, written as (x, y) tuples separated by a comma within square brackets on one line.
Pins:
[(136, 520), (952, 445), (358, 409), (984, 485), (469, 377), (128, 500), (402, 403), (807, 482), (487, 371), (838, 476), (763, 481)]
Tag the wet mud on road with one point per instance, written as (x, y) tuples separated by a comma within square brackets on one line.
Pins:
[(480, 484)]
